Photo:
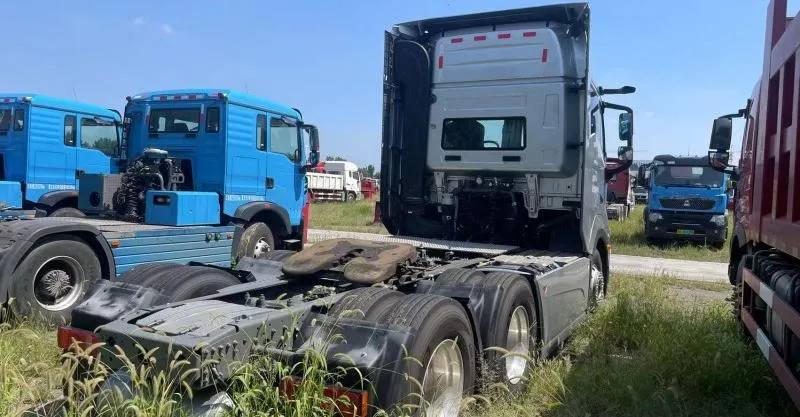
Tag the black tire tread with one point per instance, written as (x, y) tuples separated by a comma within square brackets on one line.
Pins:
[(373, 302), (460, 276)]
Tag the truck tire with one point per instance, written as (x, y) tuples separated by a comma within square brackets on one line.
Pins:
[(597, 281), (460, 276), (53, 278), (256, 240), (147, 275), (67, 212), (442, 335), (514, 329), (189, 282), (369, 303), (351, 196)]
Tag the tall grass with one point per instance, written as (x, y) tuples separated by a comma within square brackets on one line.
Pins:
[(29, 371), (648, 354)]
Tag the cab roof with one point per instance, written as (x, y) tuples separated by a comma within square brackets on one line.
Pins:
[(59, 103), (234, 96), (562, 13)]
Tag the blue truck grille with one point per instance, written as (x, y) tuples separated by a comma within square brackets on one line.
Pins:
[(687, 203)]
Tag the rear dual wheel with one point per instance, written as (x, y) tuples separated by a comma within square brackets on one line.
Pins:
[(440, 362)]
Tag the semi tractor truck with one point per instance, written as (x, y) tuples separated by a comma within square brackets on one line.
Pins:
[(687, 200), (206, 176), (493, 172), (46, 145), (764, 265)]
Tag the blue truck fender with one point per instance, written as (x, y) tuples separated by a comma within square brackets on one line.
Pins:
[(276, 216), (54, 198), (17, 238)]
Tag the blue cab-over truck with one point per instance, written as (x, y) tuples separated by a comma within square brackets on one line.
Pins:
[(204, 176), (687, 200), (46, 144)]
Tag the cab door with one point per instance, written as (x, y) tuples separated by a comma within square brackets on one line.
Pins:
[(97, 145), (285, 174)]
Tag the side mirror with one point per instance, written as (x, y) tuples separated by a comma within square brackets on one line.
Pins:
[(313, 142), (626, 126), (721, 133), (625, 153)]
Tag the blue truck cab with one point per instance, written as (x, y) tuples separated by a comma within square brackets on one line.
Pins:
[(46, 145), (226, 158), (687, 200)]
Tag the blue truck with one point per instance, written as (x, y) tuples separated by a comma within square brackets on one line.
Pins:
[(205, 176), (686, 200), (46, 144)]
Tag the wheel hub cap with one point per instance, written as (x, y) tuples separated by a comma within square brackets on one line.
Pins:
[(443, 383), (518, 344), (58, 283), (261, 248), (597, 284)]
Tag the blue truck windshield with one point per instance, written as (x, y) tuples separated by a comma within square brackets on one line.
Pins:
[(175, 120), (5, 119), (687, 176)]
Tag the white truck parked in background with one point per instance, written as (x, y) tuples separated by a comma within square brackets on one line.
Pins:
[(340, 181)]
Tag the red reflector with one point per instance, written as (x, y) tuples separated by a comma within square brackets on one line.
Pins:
[(456, 40), (355, 406), (441, 61), (480, 38), (544, 55), (192, 97), (176, 97), (162, 98), (528, 34), (504, 36), (66, 336)]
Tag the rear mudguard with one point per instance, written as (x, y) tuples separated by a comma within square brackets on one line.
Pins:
[(18, 237), (366, 351)]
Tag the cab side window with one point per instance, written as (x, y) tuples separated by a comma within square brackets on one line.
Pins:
[(69, 130), (284, 139), (261, 132)]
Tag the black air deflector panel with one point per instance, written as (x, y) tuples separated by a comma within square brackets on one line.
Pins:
[(407, 100)]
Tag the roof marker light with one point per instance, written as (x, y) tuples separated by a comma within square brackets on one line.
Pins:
[(503, 36), (456, 40), (479, 38), (441, 61), (528, 34), (544, 55)]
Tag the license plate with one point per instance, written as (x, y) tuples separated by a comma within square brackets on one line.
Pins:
[(685, 232)]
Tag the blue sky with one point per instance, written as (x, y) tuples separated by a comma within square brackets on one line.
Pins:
[(690, 60)]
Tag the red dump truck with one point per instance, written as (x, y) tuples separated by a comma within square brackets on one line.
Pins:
[(764, 265)]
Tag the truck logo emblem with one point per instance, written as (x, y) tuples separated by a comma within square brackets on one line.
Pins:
[(686, 203)]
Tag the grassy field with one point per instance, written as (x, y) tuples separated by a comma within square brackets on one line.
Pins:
[(627, 236), (645, 353)]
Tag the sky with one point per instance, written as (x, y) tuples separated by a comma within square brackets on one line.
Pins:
[(690, 60)]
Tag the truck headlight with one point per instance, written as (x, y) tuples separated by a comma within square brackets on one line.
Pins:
[(718, 220), (654, 217)]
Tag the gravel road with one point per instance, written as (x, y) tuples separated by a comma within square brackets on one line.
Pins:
[(674, 268)]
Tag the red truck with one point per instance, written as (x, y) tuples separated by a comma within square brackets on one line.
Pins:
[(764, 265), (619, 189)]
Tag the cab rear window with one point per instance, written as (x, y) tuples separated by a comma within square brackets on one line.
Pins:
[(174, 120)]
